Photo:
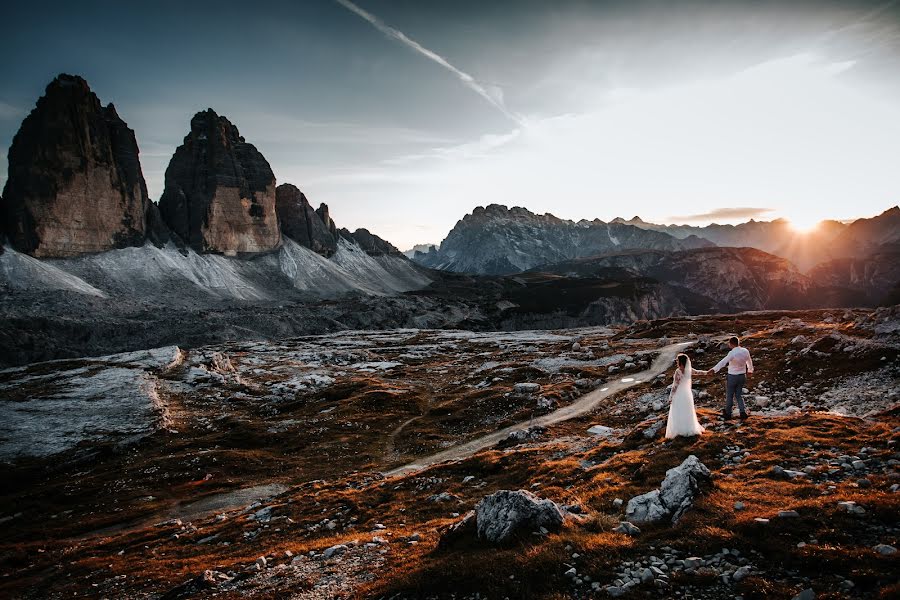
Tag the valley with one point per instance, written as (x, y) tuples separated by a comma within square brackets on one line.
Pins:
[(300, 468)]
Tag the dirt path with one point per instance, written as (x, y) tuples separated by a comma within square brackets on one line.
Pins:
[(583, 405)]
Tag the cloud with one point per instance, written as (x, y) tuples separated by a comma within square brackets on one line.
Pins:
[(494, 95), (724, 214), (8, 111)]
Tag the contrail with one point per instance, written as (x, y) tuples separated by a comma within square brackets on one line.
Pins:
[(401, 37)]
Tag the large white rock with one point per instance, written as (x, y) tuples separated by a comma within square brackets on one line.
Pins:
[(675, 495), (601, 431), (501, 515)]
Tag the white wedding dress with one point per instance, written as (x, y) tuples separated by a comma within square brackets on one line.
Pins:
[(682, 416)]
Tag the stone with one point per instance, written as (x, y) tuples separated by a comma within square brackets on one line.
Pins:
[(310, 228), (263, 515), (442, 497), (738, 505), (852, 507), (335, 550), (741, 573), (261, 563), (527, 388), (787, 514), (653, 430), (601, 431), (219, 194), (206, 580), (807, 594), (885, 549), (628, 528), (614, 591), (693, 562), (74, 183), (675, 495), (502, 515), (464, 528)]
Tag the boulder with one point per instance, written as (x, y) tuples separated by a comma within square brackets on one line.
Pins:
[(464, 528), (675, 496), (601, 431), (527, 388), (219, 193), (311, 228), (74, 183), (504, 514)]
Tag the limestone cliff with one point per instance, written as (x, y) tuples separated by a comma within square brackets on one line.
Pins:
[(75, 183), (220, 191), (311, 228)]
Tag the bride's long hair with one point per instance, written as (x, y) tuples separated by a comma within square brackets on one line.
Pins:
[(684, 361)]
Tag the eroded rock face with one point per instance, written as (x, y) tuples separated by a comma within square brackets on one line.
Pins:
[(504, 514), (675, 495), (75, 182), (220, 191), (371, 243), (311, 228)]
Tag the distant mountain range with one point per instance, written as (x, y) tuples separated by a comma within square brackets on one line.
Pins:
[(846, 263), (496, 240), (828, 240)]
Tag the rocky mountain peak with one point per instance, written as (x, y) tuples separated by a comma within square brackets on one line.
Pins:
[(496, 240), (220, 191), (75, 183), (310, 228), (371, 243)]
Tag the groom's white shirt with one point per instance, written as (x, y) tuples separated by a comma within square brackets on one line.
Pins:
[(738, 361)]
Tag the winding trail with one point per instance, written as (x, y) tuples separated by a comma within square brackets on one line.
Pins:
[(582, 406)]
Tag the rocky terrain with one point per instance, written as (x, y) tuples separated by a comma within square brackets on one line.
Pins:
[(75, 183), (496, 240), (709, 279), (145, 297), (297, 468)]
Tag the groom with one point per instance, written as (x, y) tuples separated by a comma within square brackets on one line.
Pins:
[(739, 367)]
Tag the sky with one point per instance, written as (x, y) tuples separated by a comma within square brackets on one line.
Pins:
[(404, 115)]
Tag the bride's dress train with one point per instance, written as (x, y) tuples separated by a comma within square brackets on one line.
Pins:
[(682, 415)]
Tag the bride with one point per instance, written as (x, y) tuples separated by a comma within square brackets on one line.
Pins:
[(682, 416)]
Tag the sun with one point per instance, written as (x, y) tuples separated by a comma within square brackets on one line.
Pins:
[(804, 224)]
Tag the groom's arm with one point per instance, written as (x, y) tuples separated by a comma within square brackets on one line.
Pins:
[(723, 362), (749, 364)]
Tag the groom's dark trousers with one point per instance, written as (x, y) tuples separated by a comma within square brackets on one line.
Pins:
[(734, 388)]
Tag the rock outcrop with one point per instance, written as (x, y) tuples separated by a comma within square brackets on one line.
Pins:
[(674, 497), (311, 228), (504, 514), (75, 182), (371, 243), (220, 191)]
